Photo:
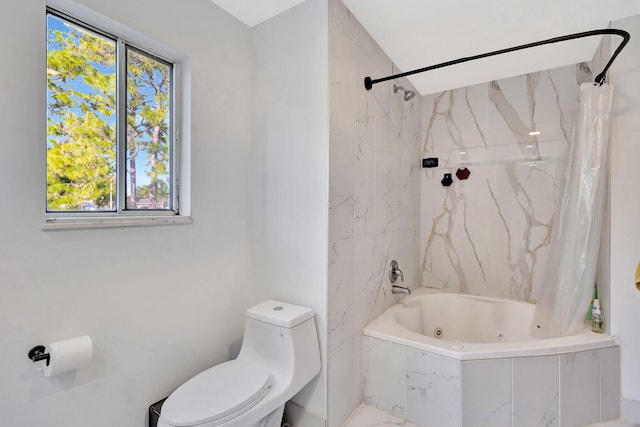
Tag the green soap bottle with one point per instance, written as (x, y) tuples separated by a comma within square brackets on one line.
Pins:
[(596, 317)]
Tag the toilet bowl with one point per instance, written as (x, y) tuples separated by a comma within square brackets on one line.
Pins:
[(279, 356)]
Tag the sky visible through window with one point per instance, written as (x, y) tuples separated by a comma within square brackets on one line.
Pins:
[(81, 113)]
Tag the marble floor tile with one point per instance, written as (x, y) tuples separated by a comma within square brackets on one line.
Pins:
[(368, 416), (615, 423)]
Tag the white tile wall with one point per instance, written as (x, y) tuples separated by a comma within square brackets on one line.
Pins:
[(366, 101), (341, 187), (486, 393), (342, 66), (365, 189), (374, 191), (341, 290), (579, 388), (610, 383), (384, 376), (367, 281), (564, 390), (357, 388), (433, 390), (536, 396), (341, 383), (489, 235)]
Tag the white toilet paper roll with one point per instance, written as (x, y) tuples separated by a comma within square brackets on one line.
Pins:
[(68, 355)]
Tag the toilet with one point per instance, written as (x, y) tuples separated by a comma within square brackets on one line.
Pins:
[(279, 356)]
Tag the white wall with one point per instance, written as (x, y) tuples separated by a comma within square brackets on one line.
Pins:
[(625, 212), (291, 122), (161, 303)]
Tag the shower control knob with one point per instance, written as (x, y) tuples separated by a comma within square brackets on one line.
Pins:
[(463, 173), (446, 181)]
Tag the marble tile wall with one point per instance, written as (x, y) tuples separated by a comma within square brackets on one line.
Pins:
[(374, 199), (566, 390), (490, 234), (487, 235)]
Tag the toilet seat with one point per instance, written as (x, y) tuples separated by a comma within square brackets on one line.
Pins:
[(217, 395)]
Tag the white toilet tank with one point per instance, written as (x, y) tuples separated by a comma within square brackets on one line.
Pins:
[(284, 337)]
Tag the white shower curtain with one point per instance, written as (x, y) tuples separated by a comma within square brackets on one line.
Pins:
[(571, 270)]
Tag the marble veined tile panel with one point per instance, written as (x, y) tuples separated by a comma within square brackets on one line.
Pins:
[(536, 391), (384, 373), (365, 189), (341, 292), (486, 393), (490, 234), (340, 386), (433, 390), (344, 17), (579, 388), (343, 80), (609, 383), (341, 186)]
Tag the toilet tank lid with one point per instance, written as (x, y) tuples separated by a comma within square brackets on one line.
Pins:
[(280, 313)]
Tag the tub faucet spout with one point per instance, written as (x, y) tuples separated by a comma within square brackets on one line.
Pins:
[(395, 289)]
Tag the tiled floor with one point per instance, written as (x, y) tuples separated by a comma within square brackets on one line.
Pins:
[(368, 416), (616, 423)]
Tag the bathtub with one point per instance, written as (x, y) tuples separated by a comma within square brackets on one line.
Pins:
[(444, 359), (467, 327)]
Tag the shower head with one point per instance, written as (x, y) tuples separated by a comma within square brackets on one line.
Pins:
[(408, 94)]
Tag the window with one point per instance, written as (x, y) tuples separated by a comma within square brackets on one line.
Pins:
[(110, 125)]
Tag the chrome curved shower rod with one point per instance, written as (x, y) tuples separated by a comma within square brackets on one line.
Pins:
[(600, 78)]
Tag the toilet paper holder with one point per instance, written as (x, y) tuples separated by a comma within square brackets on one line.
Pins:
[(37, 354)]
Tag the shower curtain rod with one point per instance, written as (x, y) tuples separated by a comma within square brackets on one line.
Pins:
[(600, 78)]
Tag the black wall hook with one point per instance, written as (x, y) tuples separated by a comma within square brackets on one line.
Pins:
[(37, 354)]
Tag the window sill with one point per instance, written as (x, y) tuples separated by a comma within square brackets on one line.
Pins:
[(109, 222)]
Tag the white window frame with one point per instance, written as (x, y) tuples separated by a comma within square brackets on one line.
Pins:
[(125, 37)]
